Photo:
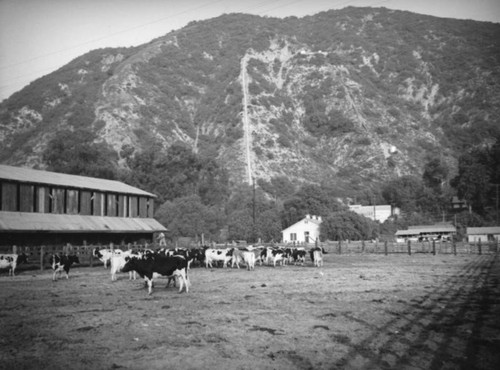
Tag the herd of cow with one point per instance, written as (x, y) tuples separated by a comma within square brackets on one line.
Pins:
[(175, 263)]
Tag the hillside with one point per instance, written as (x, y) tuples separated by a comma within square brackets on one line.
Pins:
[(351, 97)]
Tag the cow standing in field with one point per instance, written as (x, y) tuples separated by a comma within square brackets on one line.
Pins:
[(299, 256), (11, 261), (60, 263), (118, 262), (105, 255), (245, 255), (217, 255), (317, 256), (159, 265)]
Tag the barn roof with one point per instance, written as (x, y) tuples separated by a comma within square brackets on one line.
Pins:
[(425, 229), (483, 230), (28, 175), (63, 223)]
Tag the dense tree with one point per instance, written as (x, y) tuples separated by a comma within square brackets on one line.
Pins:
[(76, 152), (310, 199), (348, 225), (178, 173), (435, 174), (473, 180), (188, 216)]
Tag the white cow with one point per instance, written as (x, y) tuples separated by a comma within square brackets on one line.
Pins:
[(11, 261), (105, 255), (216, 255), (247, 256), (118, 262)]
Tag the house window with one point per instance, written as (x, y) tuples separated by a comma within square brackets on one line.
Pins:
[(293, 236)]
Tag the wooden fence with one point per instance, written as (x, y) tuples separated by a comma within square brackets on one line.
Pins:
[(39, 257)]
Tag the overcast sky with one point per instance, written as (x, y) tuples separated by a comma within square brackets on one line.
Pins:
[(39, 36)]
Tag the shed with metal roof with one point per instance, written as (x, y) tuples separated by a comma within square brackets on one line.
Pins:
[(49, 207), (483, 234)]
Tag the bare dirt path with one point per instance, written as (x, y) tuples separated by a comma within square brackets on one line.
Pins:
[(356, 312)]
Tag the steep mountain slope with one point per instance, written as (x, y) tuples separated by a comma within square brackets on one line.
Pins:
[(352, 97)]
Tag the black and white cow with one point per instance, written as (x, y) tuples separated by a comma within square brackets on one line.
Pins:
[(299, 256), (118, 262), (218, 255), (317, 256), (245, 255), (156, 265), (105, 255), (11, 261), (60, 263)]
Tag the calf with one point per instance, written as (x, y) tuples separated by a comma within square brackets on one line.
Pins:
[(105, 255), (11, 261), (159, 265), (60, 263), (222, 255)]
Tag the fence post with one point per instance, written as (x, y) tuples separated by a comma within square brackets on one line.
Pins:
[(454, 243), (479, 247), (42, 252), (409, 247), (362, 246), (340, 247), (385, 247), (433, 247)]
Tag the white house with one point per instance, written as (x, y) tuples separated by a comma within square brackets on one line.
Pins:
[(304, 231), (376, 213), (484, 234)]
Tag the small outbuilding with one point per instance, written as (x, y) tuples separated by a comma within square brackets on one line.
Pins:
[(483, 234), (41, 208), (443, 231), (306, 230)]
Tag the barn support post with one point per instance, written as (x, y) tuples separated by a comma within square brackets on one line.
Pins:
[(433, 247), (385, 248), (42, 252), (409, 247)]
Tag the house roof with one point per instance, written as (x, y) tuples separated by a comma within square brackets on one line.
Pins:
[(483, 230), (63, 223), (313, 219), (28, 175)]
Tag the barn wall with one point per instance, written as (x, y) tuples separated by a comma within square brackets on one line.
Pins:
[(85, 202), (9, 196), (26, 198)]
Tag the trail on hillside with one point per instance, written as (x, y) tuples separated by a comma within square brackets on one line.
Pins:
[(246, 125)]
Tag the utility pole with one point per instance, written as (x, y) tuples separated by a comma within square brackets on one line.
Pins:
[(253, 212)]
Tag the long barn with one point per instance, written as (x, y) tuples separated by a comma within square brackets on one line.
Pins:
[(41, 207)]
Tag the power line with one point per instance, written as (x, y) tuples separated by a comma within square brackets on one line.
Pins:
[(328, 6)]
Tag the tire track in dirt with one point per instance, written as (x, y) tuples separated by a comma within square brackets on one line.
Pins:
[(443, 309)]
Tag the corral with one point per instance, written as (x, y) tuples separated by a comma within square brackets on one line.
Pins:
[(358, 311)]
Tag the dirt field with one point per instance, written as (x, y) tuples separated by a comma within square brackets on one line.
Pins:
[(356, 312)]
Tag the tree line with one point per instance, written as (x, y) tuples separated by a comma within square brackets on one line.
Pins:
[(195, 196)]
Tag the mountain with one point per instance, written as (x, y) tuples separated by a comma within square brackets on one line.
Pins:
[(351, 97)]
